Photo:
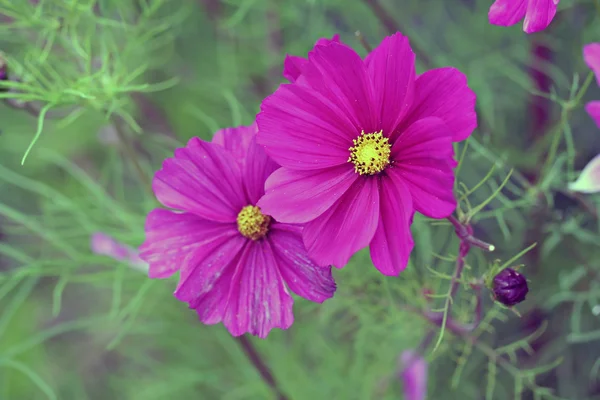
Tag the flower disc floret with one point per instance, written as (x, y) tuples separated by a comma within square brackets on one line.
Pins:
[(252, 223), (370, 153)]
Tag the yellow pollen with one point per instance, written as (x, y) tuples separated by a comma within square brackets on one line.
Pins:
[(252, 223), (370, 153)]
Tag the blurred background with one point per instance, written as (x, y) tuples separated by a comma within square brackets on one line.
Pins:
[(94, 84)]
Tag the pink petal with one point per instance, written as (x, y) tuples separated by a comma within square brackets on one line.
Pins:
[(391, 66), (301, 196), (302, 129), (507, 12), (236, 140), (444, 93), (414, 375), (591, 55), (593, 109), (392, 244), (339, 74), (300, 273), (258, 299), (204, 179), (207, 288), (423, 161), (104, 244), (589, 179), (539, 15), (293, 65), (346, 227), (172, 239), (203, 268), (257, 169)]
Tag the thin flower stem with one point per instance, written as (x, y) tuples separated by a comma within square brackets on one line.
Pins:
[(363, 41), (130, 152), (465, 236), (392, 26), (261, 367)]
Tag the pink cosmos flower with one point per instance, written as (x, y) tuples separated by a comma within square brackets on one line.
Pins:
[(362, 145), (235, 261), (591, 55), (293, 65), (537, 13)]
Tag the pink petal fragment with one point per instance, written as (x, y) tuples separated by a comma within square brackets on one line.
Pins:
[(258, 299), (414, 375), (593, 109), (236, 140), (204, 179), (300, 273), (339, 74), (259, 166), (294, 65), (444, 93), (589, 179), (302, 129), (539, 14), (346, 227), (106, 245), (591, 55), (423, 161), (172, 239), (392, 244), (507, 12), (301, 196), (391, 66)]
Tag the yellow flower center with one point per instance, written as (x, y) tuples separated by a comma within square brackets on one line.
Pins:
[(370, 153), (252, 223)]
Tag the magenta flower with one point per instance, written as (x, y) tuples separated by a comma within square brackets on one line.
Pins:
[(537, 13), (413, 373), (235, 261), (362, 145), (293, 65), (591, 55)]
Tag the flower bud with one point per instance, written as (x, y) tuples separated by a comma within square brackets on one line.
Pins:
[(413, 372), (509, 287), (3, 71)]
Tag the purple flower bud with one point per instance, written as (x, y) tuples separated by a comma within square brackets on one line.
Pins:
[(3, 71), (413, 372), (510, 287)]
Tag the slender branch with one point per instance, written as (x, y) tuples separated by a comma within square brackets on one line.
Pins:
[(131, 155), (256, 360), (392, 26), (363, 41)]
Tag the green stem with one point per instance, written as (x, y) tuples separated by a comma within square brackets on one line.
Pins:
[(130, 152), (559, 128)]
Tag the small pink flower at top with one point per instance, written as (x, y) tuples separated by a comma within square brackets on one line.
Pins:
[(234, 260), (362, 145), (537, 13), (591, 55)]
